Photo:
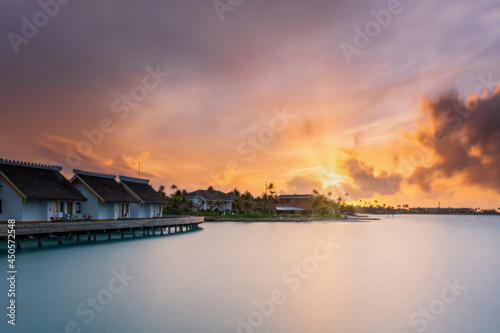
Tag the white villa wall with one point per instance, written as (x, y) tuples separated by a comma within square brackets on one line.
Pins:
[(206, 204), (144, 211), (157, 210), (11, 203), (91, 206), (35, 210), (49, 209), (134, 210), (196, 201), (108, 211)]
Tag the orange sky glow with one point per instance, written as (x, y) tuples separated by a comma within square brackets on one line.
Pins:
[(255, 99)]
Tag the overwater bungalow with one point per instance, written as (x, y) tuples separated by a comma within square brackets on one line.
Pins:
[(107, 199), (31, 192), (150, 202)]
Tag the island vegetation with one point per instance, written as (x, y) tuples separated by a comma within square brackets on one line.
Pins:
[(247, 206)]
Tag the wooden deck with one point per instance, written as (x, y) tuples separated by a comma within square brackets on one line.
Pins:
[(40, 230)]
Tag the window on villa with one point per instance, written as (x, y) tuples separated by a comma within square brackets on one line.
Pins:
[(61, 207), (78, 207), (0, 206)]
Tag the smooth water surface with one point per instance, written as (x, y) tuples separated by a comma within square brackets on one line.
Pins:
[(406, 274)]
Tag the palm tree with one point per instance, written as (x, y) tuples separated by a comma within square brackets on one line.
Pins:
[(248, 202), (323, 205), (218, 204), (161, 191), (271, 188), (210, 188), (346, 195), (173, 187), (237, 202)]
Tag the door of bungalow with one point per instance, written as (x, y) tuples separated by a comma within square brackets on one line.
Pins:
[(124, 210)]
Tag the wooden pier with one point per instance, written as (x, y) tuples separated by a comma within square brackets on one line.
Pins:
[(90, 229)]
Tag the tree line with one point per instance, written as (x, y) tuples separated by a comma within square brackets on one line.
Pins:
[(246, 203)]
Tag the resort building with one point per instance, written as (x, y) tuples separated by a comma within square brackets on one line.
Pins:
[(107, 199), (150, 202), (32, 192), (207, 200), (290, 203)]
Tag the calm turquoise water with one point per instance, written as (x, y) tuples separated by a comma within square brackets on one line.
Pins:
[(407, 274)]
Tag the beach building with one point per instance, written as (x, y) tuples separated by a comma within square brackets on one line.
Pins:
[(290, 203), (107, 199), (31, 192), (205, 199), (150, 202)]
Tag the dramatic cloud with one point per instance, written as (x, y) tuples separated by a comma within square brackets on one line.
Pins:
[(304, 184), (364, 183), (463, 136)]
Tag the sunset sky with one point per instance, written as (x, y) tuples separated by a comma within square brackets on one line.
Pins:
[(237, 93)]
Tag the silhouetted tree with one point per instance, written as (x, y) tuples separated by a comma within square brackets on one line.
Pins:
[(161, 191)]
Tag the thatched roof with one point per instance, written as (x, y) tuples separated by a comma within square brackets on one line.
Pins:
[(39, 182), (142, 190), (208, 195), (105, 186)]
